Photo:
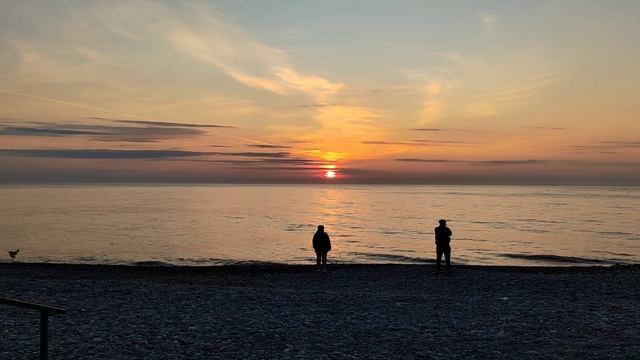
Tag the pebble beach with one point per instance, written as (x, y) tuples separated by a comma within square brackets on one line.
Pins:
[(348, 312)]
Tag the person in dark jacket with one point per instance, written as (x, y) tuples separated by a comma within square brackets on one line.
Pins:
[(322, 245), (443, 238)]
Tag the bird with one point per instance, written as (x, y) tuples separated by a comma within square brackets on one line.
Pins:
[(13, 253)]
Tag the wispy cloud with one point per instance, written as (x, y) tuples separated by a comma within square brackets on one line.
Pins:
[(422, 143), (521, 162), (606, 146), (490, 22), (498, 102), (210, 38), (481, 162), (548, 128), (428, 129), (159, 123), (268, 146)]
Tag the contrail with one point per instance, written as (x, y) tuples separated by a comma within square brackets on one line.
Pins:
[(83, 106)]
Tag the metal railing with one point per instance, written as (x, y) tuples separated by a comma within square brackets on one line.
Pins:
[(45, 311)]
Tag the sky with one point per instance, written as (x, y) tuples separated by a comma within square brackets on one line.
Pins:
[(427, 92)]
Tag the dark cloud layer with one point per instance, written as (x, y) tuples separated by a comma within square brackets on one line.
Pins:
[(43, 131), (103, 132), (99, 153), (136, 154)]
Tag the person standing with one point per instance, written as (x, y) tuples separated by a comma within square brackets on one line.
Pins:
[(443, 240), (321, 245)]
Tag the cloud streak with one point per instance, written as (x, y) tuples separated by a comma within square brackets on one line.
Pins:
[(158, 123), (99, 153), (211, 39), (150, 133), (421, 143), (519, 162)]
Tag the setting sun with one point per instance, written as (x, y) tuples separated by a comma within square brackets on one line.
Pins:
[(330, 174)]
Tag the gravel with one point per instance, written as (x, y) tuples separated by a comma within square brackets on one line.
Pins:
[(350, 311)]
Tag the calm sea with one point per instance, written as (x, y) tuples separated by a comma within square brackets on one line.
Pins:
[(225, 224)]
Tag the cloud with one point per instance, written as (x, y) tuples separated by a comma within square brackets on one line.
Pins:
[(510, 162), (548, 128), (99, 153), (621, 143), (314, 105), (481, 162), (421, 143), (606, 146), (153, 132), (521, 162), (268, 146), (498, 102), (489, 22), (429, 160), (43, 131), (141, 154), (432, 106), (210, 38), (159, 123), (254, 154)]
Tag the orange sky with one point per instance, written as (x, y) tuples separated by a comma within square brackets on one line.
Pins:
[(426, 92)]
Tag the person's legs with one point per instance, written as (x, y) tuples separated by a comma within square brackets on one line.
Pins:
[(447, 257), (438, 257), (324, 258), (318, 258)]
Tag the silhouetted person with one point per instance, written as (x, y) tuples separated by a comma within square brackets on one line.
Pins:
[(443, 238), (322, 245)]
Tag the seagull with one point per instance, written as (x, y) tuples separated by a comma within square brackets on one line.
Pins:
[(13, 253)]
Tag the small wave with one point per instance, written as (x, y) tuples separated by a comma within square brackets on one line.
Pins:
[(535, 231), (554, 258), (151, 263), (469, 239), (391, 232), (392, 257), (541, 221), (298, 227), (608, 233)]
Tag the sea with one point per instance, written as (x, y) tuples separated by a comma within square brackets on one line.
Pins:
[(208, 225)]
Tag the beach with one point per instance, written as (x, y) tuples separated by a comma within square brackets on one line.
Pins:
[(350, 311)]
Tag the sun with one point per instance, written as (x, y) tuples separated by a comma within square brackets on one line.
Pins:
[(330, 174)]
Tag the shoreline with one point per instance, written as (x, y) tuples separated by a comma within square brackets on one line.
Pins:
[(268, 267)]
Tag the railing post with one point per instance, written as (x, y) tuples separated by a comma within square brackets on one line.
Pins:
[(44, 335), (45, 311)]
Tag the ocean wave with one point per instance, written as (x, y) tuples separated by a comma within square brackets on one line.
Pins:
[(151, 263), (392, 257), (555, 258)]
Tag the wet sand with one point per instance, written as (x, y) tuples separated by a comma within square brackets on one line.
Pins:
[(351, 311)]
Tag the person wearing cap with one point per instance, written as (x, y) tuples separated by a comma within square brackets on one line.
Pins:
[(443, 239), (321, 245)]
